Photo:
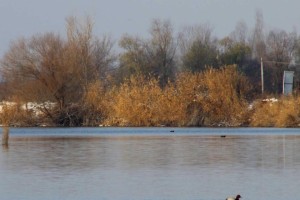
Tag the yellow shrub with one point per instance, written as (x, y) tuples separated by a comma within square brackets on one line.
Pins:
[(224, 101), (95, 104), (195, 99), (13, 115), (7, 114), (282, 113), (135, 102), (189, 92)]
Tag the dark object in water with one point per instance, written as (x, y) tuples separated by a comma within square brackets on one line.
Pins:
[(172, 131), (236, 198), (5, 135)]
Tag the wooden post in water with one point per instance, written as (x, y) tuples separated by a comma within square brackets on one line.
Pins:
[(262, 75), (5, 135)]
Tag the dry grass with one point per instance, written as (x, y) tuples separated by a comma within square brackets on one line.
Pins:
[(95, 104), (211, 98), (136, 103), (225, 99), (284, 113), (14, 115), (215, 97)]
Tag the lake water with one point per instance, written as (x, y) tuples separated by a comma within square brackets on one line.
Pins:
[(150, 163)]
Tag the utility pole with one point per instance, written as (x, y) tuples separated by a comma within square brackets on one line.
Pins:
[(262, 75)]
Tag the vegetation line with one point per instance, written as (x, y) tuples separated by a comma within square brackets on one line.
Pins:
[(190, 78)]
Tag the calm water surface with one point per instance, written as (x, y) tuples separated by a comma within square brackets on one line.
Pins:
[(153, 163)]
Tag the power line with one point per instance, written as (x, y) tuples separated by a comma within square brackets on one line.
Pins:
[(285, 63)]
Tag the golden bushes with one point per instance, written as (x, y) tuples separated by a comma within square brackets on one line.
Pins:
[(7, 114), (13, 114), (215, 97), (141, 101), (224, 101), (136, 102), (282, 113), (95, 104)]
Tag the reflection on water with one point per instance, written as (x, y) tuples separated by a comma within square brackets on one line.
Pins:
[(5, 147), (151, 167)]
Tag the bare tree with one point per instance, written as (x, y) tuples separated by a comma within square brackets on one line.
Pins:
[(155, 57), (190, 34), (92, 55), (135, 59), (163, 48), (280, 48), (198, 48), (47, 68), (35, 64), (240, 34), (258, 37)]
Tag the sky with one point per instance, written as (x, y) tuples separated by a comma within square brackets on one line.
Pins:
[(24, 18)]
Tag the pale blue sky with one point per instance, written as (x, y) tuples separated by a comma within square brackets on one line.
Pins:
[(116, 17)]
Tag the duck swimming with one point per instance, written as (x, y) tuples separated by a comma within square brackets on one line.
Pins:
[(236, 198)]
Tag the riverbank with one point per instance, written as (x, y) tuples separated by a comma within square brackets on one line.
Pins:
[(270, 112)]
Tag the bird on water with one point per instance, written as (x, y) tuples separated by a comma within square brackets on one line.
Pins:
[(236, 198)]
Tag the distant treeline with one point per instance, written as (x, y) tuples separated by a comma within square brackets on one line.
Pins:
[(190, 78)]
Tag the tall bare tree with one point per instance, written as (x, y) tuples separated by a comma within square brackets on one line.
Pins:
[(198, 48), (163, 48), (46, 67), (155, 56), (240, 34), (91, 55), (258, 37)]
